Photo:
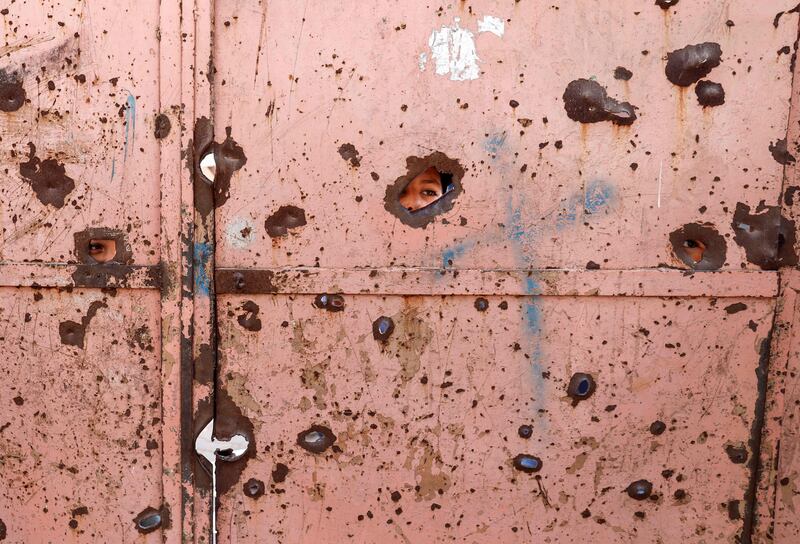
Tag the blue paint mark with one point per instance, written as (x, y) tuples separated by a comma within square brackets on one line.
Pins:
[(450, 255), (495, 142), (598, 195), (130, 121), (202, 259)]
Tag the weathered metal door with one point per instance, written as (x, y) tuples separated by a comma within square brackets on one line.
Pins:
[(581, 329), (90, 430), (205, 243)]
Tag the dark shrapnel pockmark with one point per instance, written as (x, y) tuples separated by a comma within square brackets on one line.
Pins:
[(287, 217), (780, 152), (709, 94), (586, 101), (767, 237), (639, 490), (47, 178), (692, 63), (316, 439)]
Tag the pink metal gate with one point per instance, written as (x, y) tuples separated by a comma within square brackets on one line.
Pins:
[(589, 335)]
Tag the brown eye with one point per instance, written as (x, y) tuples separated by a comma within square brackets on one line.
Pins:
[(95, 248)]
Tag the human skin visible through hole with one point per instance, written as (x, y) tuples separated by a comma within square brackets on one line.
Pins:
[(423, 190), (694, 249), (102, 251)]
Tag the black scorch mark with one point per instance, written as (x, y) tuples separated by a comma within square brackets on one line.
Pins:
[(780, 152), (767, 237), (692, 63), (12, 93), (586, 101), (287, 217), (47, 178), (710, 94), (73, 333)]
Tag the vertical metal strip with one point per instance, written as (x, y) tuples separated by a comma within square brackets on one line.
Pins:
[(763, 512)]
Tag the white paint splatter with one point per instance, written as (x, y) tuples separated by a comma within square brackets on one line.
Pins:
[(240, 232), (453, 51), (492, 24)]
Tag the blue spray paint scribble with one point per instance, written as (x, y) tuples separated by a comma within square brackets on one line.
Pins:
[(495, 142), (450, 255), (130, 121), (202, 258), (598, 195)]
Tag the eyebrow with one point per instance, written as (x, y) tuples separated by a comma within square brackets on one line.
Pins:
[(429, 181)]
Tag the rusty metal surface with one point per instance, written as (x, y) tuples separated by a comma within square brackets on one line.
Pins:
[(589, 210), (434, 414), (80, 438)]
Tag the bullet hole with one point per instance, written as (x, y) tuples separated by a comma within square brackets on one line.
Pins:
[(12, 93), (429, 188), (591, 265), (767, 237), (780, 152), (586, 101), (287, 217), (622, 73), (666, 4), (699, 246), (253, 488), (481, 304), (280, 473), (350, 153), (581, 387), (47, 178), (331, 303), (18, 400), (735, 308), (658, 427), (97, 245), (73, 524), (316, 439), (215, 165), (249, 319), (527, 463), (692, 63), (679, 494), (208, 166), (737, 453), (73, 333), (513, 103), (396, 496), (709, 94), (639, 490), (3, 530), (149, 520), (525, 431), (162, 126), (382, 328)]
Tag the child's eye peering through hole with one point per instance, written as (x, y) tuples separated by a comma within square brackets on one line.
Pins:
[(426, 188), (102, 251)]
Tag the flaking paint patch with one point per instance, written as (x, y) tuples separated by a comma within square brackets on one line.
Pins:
[(453, 52), (240, 232), (492, 24)]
